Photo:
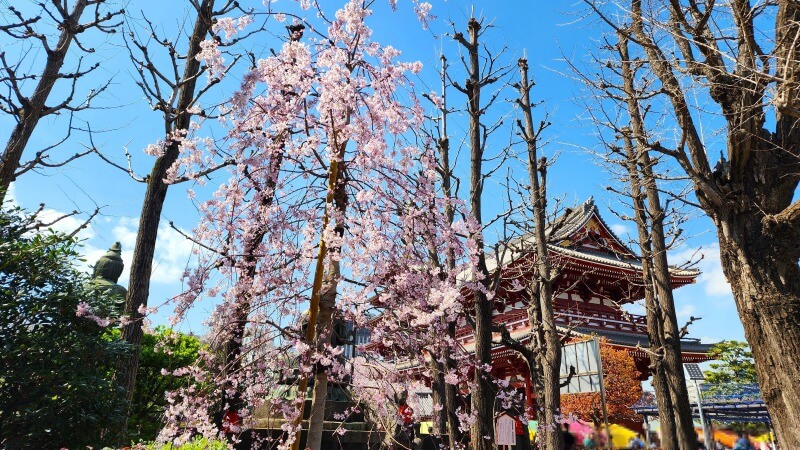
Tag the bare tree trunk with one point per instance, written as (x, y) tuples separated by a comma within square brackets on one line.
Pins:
[(152, 205), (766, 287), (546, 346), (34, 108), (451, 402), (450, 391), (483, 393), (666, 412), (663, 329)]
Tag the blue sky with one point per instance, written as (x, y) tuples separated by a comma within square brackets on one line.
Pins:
[(547, 32)]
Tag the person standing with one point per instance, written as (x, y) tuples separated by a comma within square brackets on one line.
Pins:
[(636, 443), (405, 432), (569, 439)]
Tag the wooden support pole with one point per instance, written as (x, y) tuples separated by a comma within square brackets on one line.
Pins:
[(319, 270)]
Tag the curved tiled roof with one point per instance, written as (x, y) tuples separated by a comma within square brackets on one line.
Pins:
[(634, 339), (567, 226)]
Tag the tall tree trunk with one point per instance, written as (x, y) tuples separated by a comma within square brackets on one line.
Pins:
[(338, 200), (655, 333), (673, 361), (750, 200), (153, 203), (327, 304), (660, 303), (450, 391), (34, 108), (483, 393), (546, 347)]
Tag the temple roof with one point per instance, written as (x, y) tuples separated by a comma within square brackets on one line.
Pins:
[(582, 234), (635, 340)]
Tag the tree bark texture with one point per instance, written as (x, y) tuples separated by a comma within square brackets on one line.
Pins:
[(655, 332), (337, 185), (545, 340), (749, 200), (153, 203), (34, 108), (649, 216), (483, 393)]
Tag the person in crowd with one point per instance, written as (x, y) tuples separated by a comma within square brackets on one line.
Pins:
[(636, 443), (569, 439), (590, 441), (743, 443)]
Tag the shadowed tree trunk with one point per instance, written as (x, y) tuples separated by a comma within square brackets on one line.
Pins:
[(152, 205)]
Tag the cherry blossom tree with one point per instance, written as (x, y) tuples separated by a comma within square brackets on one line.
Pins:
[(177, 95), (330, 201)]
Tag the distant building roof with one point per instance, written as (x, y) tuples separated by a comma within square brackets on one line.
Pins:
[(634, 340), (725, 403)]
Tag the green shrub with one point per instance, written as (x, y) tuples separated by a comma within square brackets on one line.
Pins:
[(199, 443), (56, 388)]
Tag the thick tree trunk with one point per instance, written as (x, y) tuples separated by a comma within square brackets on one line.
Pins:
[(153, 203), (766, 287), (483, 394), (327, 304), (34, 108), (438, 396), (451, 402)]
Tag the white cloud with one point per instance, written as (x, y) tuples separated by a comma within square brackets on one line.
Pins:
[(708, 261), (710, 339), (172, 253), (11, 198), (686, 311), (620, 229)]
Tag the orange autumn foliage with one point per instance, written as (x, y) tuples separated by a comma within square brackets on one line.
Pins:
[(622, 385)]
